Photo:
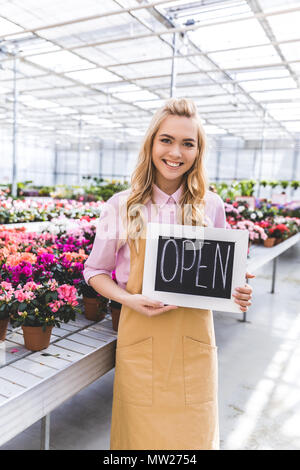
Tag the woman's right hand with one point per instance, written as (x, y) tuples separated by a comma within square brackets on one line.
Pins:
[(146, 306)]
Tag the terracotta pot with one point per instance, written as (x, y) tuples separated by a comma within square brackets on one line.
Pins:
[(35, 338), (92, 309), (278, 240), (115, 316), (3, 328), (269, 242)]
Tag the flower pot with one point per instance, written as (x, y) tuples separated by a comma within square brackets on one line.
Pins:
[(3, 328), (115, 316), (278, 240), (92, 309), (35, 338), (269, 242)]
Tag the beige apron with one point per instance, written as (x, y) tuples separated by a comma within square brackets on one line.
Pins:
[(165, 385)]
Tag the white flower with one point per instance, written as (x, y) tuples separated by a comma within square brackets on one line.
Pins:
[(253, 216), (260, 214), (241, 208)]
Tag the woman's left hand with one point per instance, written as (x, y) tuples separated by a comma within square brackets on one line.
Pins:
[(243, 294)]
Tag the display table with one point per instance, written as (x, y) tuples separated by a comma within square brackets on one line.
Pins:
[(32, 384), (259, 256)]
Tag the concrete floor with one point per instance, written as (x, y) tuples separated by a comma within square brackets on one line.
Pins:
[(259, 377)]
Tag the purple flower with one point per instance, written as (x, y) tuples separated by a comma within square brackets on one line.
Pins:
[(46, 259)]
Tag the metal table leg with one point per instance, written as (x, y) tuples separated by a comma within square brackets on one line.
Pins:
[(45, 432), (274, 275)]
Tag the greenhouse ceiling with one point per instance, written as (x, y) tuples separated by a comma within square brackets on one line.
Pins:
[(99, 69)]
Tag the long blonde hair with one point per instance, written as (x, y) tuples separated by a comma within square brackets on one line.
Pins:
[(143, 177)]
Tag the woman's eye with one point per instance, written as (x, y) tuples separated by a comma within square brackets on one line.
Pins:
[(165, 140), (189, 144)]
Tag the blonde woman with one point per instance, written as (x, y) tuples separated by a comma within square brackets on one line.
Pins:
[(165, 385)]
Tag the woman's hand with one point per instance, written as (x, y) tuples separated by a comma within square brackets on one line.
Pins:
[(146, 306), (243, 294)]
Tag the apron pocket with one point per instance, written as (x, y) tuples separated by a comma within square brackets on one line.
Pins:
[(200, 371), (133, 373)]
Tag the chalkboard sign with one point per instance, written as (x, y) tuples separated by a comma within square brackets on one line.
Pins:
[(194, 266)]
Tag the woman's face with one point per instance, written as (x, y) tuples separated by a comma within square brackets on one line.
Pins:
[(174, 150)]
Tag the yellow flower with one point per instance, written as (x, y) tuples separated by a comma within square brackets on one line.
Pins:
[(47, 319)]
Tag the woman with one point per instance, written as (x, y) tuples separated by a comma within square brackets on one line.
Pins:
[(165, 388)]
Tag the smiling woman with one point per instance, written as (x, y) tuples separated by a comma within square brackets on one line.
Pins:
[(165, 388)]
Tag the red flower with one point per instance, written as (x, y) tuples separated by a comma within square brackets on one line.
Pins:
[(279, 228)]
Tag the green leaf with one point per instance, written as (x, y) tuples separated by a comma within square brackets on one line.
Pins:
[(22, 306)]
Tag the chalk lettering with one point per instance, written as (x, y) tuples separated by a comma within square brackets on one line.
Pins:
[(199, 266), (223, 271), (163, 260), (184, 249)]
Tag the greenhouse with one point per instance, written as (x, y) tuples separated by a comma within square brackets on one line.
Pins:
[(149, 225)]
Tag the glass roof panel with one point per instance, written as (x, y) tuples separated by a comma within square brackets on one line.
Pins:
[(269, 72), (32, 13), (259, 85), (136, 96), (246, 58), (8, 27), (132, 51), (276, 95), (291, 51), (93, 76), (279, 24), (61, 61), (230, 35)]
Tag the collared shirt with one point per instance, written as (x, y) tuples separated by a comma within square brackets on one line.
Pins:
[(107, 255)]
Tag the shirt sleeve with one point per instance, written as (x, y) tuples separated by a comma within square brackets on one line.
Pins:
[(220, 215), (102, 259)]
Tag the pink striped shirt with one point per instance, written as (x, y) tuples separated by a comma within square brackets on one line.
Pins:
[(105, 256)]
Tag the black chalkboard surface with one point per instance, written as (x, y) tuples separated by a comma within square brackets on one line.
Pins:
[(195, 267)]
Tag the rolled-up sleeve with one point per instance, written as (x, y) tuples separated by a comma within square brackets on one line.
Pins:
[(102, 259)]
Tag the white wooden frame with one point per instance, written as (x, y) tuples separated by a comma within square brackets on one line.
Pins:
[(154, 230)]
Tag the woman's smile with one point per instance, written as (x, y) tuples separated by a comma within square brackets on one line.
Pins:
[(172, 165)]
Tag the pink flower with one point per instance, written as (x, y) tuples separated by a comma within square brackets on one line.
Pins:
[(56, 305), (6, 285), (67, 293), (53, 284), (30, 286), (20, 295)]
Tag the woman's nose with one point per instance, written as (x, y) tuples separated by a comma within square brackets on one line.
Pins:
[(174, 151)]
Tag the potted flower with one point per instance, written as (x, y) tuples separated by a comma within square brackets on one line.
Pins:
[(39, 307), (6, 293), (95, 305), (280, 232), (270, 240)]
